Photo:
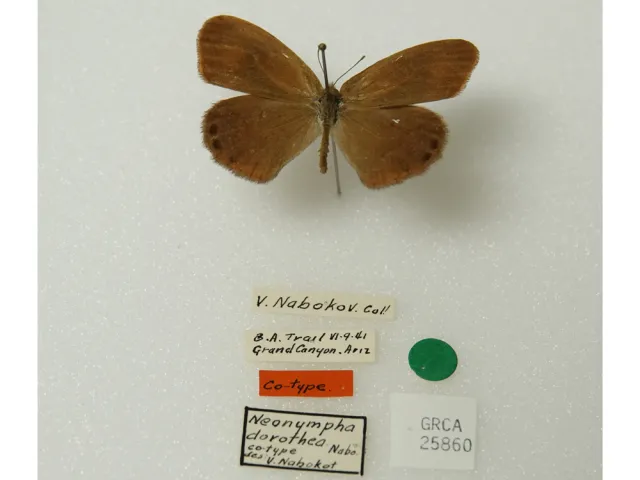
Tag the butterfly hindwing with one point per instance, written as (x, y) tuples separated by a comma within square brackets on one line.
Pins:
[(387, 146), (255, 137)]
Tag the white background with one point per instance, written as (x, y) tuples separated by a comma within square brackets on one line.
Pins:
[(149, 250)]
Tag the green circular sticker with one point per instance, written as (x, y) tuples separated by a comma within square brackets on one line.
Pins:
[(433, 359)]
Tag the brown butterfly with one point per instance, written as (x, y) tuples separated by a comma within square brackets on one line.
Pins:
[(384, 138)]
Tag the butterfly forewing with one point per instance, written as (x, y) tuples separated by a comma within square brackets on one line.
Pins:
[(256, 137), (424, 73), (387, 146), (239, 55)]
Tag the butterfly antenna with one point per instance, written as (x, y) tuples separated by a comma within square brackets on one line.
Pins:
[(323, 64), (354, 66), (335, 165)]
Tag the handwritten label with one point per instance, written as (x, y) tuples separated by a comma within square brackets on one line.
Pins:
[(303, 441), (433, 431), (328, 346), (306, 383), (271, 300)]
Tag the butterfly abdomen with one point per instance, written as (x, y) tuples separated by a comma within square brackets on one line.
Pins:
[(327, 108)]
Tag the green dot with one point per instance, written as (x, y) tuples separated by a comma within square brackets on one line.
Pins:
[(433, 359)]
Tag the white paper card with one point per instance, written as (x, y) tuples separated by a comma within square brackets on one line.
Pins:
[(303, 441), (432, 431), (323, 304), (305, 346)]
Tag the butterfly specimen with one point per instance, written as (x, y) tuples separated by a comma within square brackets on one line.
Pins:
[(383, 136)]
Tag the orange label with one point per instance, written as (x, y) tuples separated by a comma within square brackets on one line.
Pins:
[(306, 383)]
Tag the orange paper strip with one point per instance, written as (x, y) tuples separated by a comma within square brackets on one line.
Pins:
[(306, 383)]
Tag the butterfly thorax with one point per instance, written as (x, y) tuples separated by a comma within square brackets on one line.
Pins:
[(328, 106)]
